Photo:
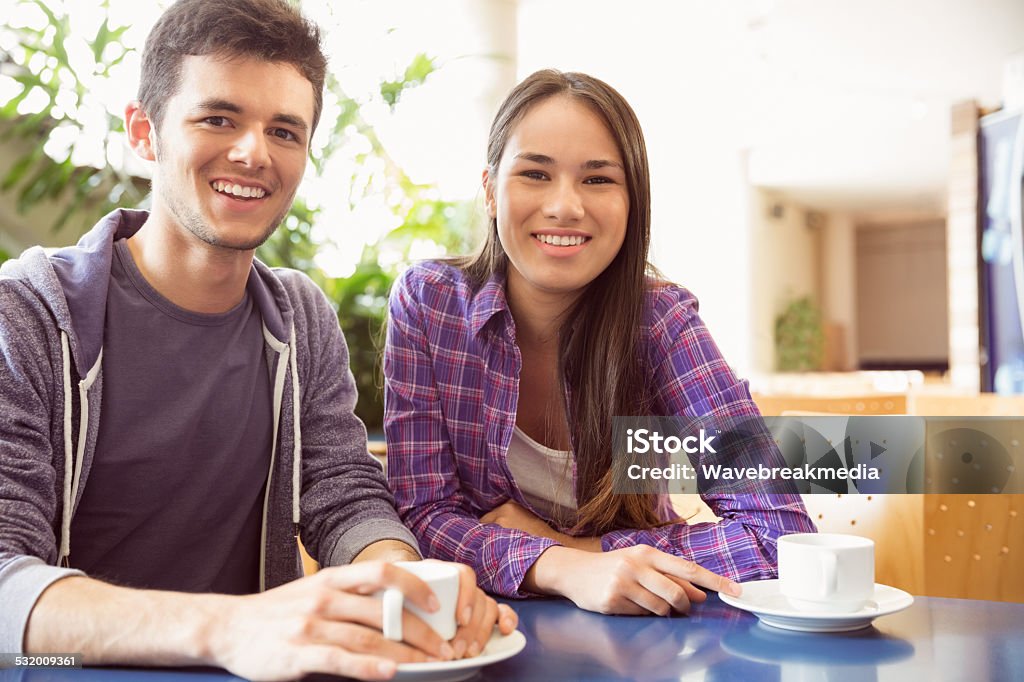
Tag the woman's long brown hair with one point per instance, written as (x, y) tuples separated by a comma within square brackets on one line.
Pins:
[(601, 360)]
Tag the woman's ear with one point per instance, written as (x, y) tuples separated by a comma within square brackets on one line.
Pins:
[(489, 201), (141, 132)]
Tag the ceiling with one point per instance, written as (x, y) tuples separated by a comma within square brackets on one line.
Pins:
[(839, 104), (862, 94)]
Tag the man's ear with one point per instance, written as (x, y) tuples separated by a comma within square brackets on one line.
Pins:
[(141, 131), (489, 200)]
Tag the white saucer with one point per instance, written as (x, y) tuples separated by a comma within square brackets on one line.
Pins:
[(763, 599), (498, 649)]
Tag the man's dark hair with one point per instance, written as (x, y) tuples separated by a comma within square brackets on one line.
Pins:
[(270, 30)]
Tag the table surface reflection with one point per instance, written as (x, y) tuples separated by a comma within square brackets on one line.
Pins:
[(935, 639)]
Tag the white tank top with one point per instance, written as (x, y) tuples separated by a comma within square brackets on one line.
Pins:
[(543, 475)]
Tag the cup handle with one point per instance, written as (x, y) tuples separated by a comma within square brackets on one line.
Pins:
[(829, 575), (392, 614)]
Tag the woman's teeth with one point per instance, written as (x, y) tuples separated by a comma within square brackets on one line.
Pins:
[(556, 240), (238, 190)]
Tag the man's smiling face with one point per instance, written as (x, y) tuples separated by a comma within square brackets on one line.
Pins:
[(231, 148)]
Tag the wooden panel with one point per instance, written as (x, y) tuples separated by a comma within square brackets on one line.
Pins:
[(309, 564), (977, 405), (974, 546), (776, 405), (894, 522)]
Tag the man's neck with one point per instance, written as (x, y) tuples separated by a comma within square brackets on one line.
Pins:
[(185, 270)]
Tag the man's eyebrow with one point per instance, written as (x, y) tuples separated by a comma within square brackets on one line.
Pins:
[(536, 158), (225, 105), (218, 105), (293, 121)]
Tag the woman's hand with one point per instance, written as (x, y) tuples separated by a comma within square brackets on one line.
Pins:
[(512, 515), (636, 580)]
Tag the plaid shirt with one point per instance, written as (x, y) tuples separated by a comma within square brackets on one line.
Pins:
[(451, 369)]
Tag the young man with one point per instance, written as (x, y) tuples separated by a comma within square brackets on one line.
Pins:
[(173, 413)]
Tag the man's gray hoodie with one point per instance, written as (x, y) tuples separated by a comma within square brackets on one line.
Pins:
[(52, 309)]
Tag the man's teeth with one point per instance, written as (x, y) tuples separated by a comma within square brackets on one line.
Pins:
[(238, 190), (563, 240)]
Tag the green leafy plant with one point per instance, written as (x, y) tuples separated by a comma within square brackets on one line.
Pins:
[(799, 337), (45, 68)]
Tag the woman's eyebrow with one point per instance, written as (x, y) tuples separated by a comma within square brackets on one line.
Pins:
[(601, 163), (593, 164)]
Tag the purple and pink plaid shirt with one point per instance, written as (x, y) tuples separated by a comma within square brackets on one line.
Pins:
[(451, 369)]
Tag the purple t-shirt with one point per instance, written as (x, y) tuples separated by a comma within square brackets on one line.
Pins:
[(175, 493)]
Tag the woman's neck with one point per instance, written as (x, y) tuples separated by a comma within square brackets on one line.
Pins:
[(538, 314)]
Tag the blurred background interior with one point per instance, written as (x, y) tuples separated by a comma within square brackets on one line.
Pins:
[(838, 182)]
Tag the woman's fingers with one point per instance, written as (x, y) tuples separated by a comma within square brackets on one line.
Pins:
[(694, 593), (694, 573), (659, 594)]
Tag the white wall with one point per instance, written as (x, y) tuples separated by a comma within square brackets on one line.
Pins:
[(784, 267), (692, 117), (839, 282)]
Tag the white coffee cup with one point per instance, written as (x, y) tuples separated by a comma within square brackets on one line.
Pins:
[(443, 579), (826, 572)]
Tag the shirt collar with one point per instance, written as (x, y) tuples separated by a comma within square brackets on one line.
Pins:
[(488, 302)]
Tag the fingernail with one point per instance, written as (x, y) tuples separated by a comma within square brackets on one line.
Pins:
[(433, 604), (467, 613), (447, 653), (460, 648), (474, 649), (735, 588), (386, 668)]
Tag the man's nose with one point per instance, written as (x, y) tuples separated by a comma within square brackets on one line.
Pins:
[(250, 148)]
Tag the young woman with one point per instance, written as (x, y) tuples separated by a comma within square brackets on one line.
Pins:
[(503, 373)]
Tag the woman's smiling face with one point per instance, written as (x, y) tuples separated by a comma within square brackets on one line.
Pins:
[(559, 197)]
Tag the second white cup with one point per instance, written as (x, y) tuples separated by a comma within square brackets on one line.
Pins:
[(443, 579), (826, 572)]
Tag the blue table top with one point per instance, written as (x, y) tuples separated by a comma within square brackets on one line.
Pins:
[(935, 639)]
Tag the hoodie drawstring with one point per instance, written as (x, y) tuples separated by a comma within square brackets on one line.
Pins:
[(286, 361), (297, 451), (73, 466), (65, 524)]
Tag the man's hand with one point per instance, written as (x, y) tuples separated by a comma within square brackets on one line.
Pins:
[(512, 515), (636, 580), (476, 614), (328, 622)]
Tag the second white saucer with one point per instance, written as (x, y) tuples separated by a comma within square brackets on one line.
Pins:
[(763, 599)]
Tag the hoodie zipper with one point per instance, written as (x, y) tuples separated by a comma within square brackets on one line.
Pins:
[(282, 367)]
